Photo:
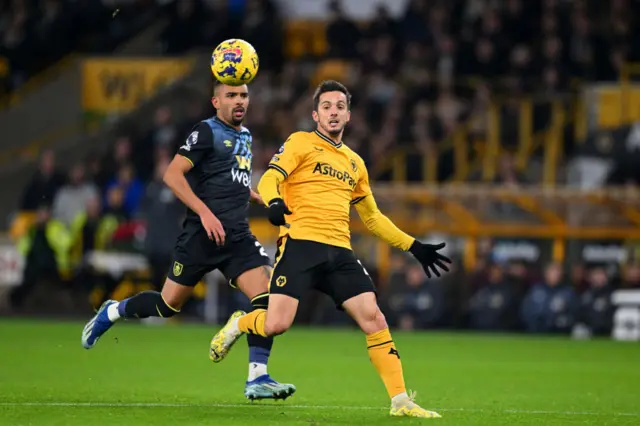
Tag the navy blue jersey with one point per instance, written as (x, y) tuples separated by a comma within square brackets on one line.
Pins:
[(221, 173)]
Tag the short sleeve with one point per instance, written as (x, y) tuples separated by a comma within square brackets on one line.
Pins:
[(289, 155), (363, 189), (198, 144)]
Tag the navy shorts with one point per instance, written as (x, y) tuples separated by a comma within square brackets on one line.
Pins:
[(195, 255)]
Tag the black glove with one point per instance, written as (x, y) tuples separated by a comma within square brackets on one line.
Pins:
[(277, 210), (429, 258)]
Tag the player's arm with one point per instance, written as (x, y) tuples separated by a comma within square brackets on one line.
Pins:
[(255, 197), (199, 145), (283, 163), (382, 227)]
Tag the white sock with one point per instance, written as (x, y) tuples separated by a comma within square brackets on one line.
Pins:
[(112, 312), (256, 370), (399, 398)]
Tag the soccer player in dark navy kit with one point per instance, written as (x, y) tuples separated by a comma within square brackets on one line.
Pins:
[(211, 174)]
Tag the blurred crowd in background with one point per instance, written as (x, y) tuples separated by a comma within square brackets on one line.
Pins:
[(35, 34), (414, 80)]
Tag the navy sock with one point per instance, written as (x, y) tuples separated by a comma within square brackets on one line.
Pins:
[(259, 355), (144, 305)]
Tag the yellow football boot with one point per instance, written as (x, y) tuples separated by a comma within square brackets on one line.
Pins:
[(406, 407), (225, 338)]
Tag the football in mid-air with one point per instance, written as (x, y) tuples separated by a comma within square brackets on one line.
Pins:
[(234, 62)]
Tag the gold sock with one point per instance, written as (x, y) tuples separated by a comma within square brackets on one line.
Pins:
[(253, 322), (385, 357)]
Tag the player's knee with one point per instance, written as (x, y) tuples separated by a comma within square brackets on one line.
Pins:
[(274, 325), (165, 309), (373, 320)]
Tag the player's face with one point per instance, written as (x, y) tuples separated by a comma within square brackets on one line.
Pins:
[(333, 113), (231, 103)]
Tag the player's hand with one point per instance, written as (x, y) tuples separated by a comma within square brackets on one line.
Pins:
[(214, 228), (429, 258), (256, 198), (277, 210)]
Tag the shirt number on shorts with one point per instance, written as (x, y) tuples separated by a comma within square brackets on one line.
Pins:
[(363, 268), (262, 250)]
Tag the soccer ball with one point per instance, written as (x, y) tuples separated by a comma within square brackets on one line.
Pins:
[(234, 62)]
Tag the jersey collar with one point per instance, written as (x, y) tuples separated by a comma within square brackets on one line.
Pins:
[(215, 117), (326, 139)]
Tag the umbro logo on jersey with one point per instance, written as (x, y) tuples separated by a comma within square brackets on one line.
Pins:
[(228, 143)]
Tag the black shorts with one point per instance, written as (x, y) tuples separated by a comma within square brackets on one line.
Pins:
[(195, 255), (335, 271)]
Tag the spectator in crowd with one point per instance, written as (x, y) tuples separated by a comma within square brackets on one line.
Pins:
[(120, 155), (43, 185), (163, 134), (494, 306), (631, 277), (131, 188), (163, 214), (91, 231), (551, 305), (416, 301), (596, 309), (45, 248), (73, 197)]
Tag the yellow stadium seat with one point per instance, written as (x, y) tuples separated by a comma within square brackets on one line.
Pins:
[(332, 69), (319, 44), (305, 37)]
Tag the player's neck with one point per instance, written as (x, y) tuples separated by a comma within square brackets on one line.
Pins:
[(238, 127), (337, 139)]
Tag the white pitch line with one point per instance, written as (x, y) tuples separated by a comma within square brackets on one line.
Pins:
[(281, 406)]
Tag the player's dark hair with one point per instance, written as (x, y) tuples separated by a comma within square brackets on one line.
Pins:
[(330, 86), (216, 84)]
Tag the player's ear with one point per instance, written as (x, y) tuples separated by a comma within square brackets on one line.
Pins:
[(215, 102), (348, 116), (314, 114)]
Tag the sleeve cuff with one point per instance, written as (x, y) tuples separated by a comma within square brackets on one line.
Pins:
[(278, 168), (357, 200)]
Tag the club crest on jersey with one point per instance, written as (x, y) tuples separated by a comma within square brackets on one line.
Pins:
[(177, 269), (354, 166), (244, 163), (281, 281), (192, 139)]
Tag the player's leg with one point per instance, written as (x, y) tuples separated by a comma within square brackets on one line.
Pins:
[(353, 290), (187, 270), (293, 273), (143, 305), (292, 276), (254, 283)]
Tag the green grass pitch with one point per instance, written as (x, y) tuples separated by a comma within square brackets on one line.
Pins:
[(146, 375)]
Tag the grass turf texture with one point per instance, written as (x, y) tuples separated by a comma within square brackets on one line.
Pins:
[(145, 375)]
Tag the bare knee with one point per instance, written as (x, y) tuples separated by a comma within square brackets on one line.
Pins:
[(275, 325), (175, 295), (372, 320), (280, 315), (365, 311)]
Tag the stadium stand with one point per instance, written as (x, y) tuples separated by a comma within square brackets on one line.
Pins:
[(481, 124)]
